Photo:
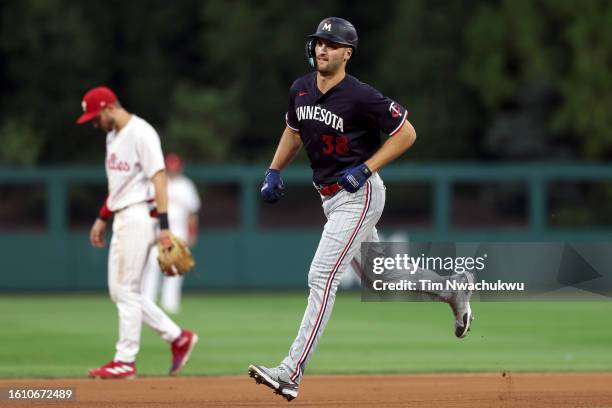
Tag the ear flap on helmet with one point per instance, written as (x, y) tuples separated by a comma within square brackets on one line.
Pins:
[(310, 52)]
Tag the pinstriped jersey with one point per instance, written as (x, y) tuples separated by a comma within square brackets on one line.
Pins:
[(133, 156), (341, 128)]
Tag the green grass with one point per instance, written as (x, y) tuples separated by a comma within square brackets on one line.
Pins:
[(61, 336)]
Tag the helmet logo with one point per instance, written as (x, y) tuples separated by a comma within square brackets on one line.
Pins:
[(327, 26), (84, 106)]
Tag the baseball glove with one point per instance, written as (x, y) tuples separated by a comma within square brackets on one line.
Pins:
[(176, 260)]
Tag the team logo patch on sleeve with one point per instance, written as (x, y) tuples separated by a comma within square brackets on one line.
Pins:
[(395, 110)]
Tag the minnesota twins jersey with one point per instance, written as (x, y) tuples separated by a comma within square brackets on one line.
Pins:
[(133, 156), (341, 128)]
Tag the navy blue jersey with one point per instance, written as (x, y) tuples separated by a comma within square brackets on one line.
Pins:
[(341, 128)]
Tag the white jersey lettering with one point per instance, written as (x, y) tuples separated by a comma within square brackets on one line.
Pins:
[(321, 115)]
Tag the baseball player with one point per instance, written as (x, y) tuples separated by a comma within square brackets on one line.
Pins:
[(183, 207), (338, 120), (136, 190)]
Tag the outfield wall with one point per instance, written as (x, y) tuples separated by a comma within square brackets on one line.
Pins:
[(251, 254)]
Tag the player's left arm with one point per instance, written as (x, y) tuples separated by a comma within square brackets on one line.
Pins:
[(151, 157), (160, 182), (393, 148)]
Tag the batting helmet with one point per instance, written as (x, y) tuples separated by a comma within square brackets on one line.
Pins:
[(334, 29)]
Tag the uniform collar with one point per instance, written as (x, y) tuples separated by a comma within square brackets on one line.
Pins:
[(338, 87)]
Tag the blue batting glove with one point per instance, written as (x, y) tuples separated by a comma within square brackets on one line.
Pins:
[(273, 187), (354, 178)]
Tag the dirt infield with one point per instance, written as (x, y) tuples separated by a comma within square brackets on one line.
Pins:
[(445, 390)]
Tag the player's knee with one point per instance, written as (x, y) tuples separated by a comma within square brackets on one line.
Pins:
[(317, 280), (119, 293), (147, 303), (113, 290)]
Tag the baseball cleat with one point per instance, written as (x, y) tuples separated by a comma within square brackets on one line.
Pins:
[(460, 303), (115, 370), (181, 350), (275, 378)]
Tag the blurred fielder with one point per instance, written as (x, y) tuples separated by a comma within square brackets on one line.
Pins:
[(338, 120), (183, 207), (136, 192)]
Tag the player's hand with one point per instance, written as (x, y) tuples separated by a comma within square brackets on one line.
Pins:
[(96, 234), (273, 187), (354, 178), (165, 240)]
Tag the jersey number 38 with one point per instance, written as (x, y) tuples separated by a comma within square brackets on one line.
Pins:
[(338, 144)]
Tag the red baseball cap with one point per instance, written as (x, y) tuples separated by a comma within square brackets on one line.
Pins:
[(94, 101), (174, 163)]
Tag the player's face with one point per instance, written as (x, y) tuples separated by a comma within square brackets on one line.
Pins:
[(104, 121), (331, 56)]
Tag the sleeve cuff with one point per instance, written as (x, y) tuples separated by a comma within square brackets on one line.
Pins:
[(400, 125), (289, 125), (104, 212), (157, 170)]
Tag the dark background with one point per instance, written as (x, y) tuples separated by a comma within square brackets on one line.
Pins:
[(483, 80)]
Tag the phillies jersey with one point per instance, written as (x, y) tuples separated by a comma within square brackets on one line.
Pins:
[(133, 156), (341, 128)]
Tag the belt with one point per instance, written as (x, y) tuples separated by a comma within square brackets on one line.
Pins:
[(152, 208), (328, 189), (150, 203)]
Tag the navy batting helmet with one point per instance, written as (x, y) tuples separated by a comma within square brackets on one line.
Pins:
[(334, 29)]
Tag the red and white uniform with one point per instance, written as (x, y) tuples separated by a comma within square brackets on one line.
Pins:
[(133, 156)]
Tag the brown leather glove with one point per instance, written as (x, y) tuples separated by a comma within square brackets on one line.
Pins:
[(176, 260)]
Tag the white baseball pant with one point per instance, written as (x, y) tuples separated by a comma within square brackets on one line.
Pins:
[(134, 233)]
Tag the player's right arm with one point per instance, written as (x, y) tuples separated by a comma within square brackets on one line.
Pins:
[(290, 141), (287, 149), (273, 187), (96, 234)]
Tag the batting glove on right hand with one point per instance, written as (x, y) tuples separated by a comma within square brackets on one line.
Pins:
[(273, 187)]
